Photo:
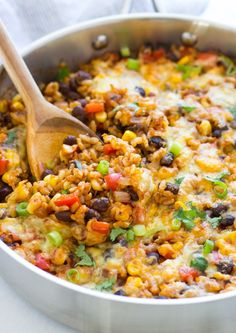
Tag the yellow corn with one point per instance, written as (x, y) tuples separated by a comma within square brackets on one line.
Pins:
[(176, 78), (59, 257), (51, 180), (3, 205), (7, 177), (13, 158), (135, 281), (95, 185), (17, 106), (3, 105), (184, 60), (101, 117), (133, 267), (180, 204), (209, 164), (205, 128), (128, 136)]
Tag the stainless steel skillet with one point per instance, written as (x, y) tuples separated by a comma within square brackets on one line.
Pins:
[(91, 311)]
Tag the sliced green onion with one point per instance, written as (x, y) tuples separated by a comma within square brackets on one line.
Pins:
[(139, 230), (129, 235), (220, 189), (21, 209), (11, 136), (175, 225), (176, 148), (55, 238), (133, 64), (208, 246), (188, 108), (73, 275), (125, 51), (199, 263), (103, 167)]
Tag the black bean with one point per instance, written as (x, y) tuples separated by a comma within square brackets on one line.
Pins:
[(73, 95), (83, 102), (82, 75), (79, 113), (64, 216), (227, 221), (120, 292), (70, 140), (123, 241), (100, 204), (225, 266), (133, 195), (217, 133), (64, 88), (5, 190), (46, 172), (107, 254), (115, 97), (218, 209), (141, 91), (154, 256), (90, 214), (73, 83), (157, 141), (173, 188), (233, 124), (167, 160), (160, 297)]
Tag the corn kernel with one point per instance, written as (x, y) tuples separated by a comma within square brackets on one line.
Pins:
[(209, 164), (176, 78), (135, 281), (3, 105), (184, 60), (59, 257), (128, 136), (13, 158), (7, 177), (180, 204), (51, 180), (133, 267), (205, 128), (95, 185), (167, 251), (17, 106), (101, 117), (3, 205)]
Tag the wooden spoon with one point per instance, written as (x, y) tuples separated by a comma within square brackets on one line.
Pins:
[(47, 125)]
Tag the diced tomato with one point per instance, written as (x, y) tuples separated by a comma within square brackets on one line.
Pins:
[(94, 107), (108, 150), (160, 53), (67, 200), (112, 180), (101, 227), (208, 59), (3, 166), (41, 262), (188, 273)]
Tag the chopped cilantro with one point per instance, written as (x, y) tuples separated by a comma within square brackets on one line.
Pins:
[(130, 235), (115, 232), (86, 260), (179, 180), (106, 285), (188, 216), (214, 221), (218, 177), (11, 136), (62, 73), (229, 65)]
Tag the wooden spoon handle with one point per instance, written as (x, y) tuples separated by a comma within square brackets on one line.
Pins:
[(18, 70)]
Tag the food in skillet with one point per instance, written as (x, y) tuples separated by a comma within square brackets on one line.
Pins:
[(148, 212)]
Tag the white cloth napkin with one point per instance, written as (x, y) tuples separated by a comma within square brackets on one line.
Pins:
[(27, 20)]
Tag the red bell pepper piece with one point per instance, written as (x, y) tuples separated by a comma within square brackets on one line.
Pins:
[(112, 180), (101, 227), (188, 273), (108, 149), (94, 107), (3, 166), (41, 262), (67, 200)]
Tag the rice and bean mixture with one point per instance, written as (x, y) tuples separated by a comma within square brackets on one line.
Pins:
[(149, 210)]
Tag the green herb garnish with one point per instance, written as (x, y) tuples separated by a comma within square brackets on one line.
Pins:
[(214, 221), (188, 108), (115, 232), (229, 65), (179, 180), (11, 137), (86, 260), (200, 263), (188, 216), (220, 188), (62, 73), (106, 285), (188, 70)]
